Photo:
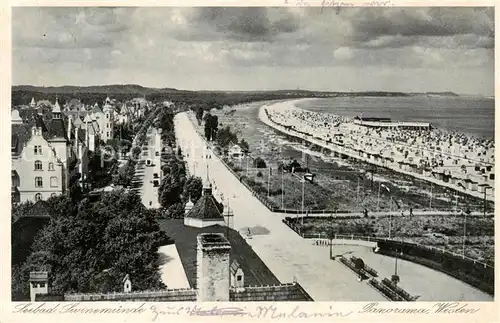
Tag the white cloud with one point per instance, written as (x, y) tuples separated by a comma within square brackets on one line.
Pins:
[(343, 53)]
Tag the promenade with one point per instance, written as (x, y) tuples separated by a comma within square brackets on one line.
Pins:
[(292, 257), (350, 152)]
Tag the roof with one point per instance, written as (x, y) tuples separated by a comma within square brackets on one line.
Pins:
[(235, 265), (21, 134), (56, 107), (39, 275), (96, 109), (283, 292), (57, 129), (15, 117), (206, 208), (185, 237)]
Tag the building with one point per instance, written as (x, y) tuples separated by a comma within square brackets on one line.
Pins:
[(206, 212), (218, 263), (218, 271), (386, 123), (45, 153), (236, 152)]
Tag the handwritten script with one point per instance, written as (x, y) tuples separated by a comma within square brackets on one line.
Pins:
[(272, 312), (339, 4)]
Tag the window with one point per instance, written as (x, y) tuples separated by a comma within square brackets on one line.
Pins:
[(51, 166), (107, 116), (238, 278), (37, 150), (41, 284), (38, 197), (107, 134), (38, 165), (53, 181), (38, 182)]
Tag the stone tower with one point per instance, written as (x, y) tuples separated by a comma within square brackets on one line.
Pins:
[(213, 279)]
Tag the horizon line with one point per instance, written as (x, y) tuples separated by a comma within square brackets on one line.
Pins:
[(240, 90)]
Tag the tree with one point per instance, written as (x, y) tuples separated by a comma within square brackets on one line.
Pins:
[(193, 189), (175, 211), (225, 136), (170, 190), (199, 115), (259, 163), (244, 146), (91, 246)]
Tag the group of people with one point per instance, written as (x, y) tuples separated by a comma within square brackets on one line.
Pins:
[(428, 149)]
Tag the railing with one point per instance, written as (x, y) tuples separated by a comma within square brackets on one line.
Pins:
[(298, 230)]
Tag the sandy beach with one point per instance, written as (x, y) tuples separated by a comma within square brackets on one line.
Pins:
[(449, 162)]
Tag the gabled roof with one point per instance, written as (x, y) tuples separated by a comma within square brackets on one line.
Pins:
[(235, 265), (77, 121)]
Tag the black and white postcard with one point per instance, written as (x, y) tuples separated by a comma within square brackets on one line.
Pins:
[(294, 160)]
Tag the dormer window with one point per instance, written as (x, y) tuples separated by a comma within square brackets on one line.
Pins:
[(51, 166)]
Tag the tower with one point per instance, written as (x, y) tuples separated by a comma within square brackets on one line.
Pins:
[(213, 279), (32, 103), (108, 120)]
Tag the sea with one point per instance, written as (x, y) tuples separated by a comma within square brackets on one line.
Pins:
[(469, 115)]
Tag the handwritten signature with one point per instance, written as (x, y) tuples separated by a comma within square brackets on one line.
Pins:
[(339, 4), (261, 312)]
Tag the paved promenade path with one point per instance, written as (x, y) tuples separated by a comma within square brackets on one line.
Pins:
[(289, 256)]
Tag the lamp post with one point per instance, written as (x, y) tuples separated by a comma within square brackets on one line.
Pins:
[(484, 201), (269, 182), (464, 239), (282, 189), (390, 217)]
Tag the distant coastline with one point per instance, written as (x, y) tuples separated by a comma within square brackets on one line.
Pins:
[(136, 89)]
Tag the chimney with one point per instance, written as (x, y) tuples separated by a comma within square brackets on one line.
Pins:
[(213, 253), (70, 123), (38, 284)]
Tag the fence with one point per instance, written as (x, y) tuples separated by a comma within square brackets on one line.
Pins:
[(474, 272)]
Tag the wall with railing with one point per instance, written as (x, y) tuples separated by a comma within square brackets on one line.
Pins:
[(474, 272)]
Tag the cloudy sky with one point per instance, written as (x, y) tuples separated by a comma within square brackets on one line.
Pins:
[(394, 49)]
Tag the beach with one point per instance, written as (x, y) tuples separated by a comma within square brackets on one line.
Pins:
[(458, 161)]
